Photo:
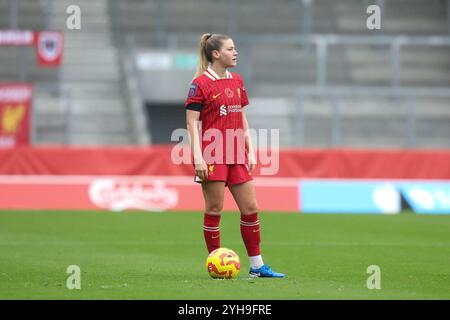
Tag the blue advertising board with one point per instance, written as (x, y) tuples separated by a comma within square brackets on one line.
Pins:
[(374, 196), (348, 196), (427, 197)]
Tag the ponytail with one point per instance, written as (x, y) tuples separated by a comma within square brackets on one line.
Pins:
[(208, 43), (202, 59)]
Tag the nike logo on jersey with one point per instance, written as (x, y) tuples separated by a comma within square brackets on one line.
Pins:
[(216, 95)]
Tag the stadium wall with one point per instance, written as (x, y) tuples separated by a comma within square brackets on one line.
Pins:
[(313, 181), (156, 161)]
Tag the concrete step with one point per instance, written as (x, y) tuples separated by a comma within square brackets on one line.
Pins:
[(92, 56), (99, 95), (50, 138), (83, 76), (88, 106), (50, 122), (414, 77), (81, 86), (269, 89), (95, 61), (99, 125), (88, 70), (48, 107), (355, 132), (25, 22), (426, 26), (378, 107), (14, 77), (97, 108), (79, 45), (82, 41), (91, 7), (97, 139)]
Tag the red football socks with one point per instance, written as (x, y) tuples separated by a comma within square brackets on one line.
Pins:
[(250, 232), (211, 231)]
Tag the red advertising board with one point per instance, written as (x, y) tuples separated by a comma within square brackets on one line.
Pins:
[(49, 44), (123, 193), (49, 48), (16, 37), (15, 111)]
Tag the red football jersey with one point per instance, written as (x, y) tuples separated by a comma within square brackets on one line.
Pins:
[(221, 103)]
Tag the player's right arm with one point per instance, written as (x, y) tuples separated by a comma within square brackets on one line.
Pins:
[(192, 122), (194, 104)]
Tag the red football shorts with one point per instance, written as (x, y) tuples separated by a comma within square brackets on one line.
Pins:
[(230, 173)]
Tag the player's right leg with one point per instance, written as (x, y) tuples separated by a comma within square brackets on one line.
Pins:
[(213, 193)]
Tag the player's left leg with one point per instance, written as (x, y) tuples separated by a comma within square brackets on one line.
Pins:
[(245, 196)]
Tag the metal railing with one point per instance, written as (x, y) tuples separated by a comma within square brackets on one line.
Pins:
[(320, 45), (408, 96), (135, 94), (322, 42)]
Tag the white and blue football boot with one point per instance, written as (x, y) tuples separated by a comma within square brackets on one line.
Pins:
[(265, 272)]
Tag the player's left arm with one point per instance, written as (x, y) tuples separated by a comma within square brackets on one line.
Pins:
[(248, 143)]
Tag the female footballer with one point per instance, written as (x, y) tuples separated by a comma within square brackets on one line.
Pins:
[(222, 148)]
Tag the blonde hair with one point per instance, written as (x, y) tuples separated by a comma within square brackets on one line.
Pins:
[(208, 43)]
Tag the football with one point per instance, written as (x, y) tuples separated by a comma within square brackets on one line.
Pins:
[(223, 263)]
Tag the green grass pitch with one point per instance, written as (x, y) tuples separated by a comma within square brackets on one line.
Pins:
[(147, 255)]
